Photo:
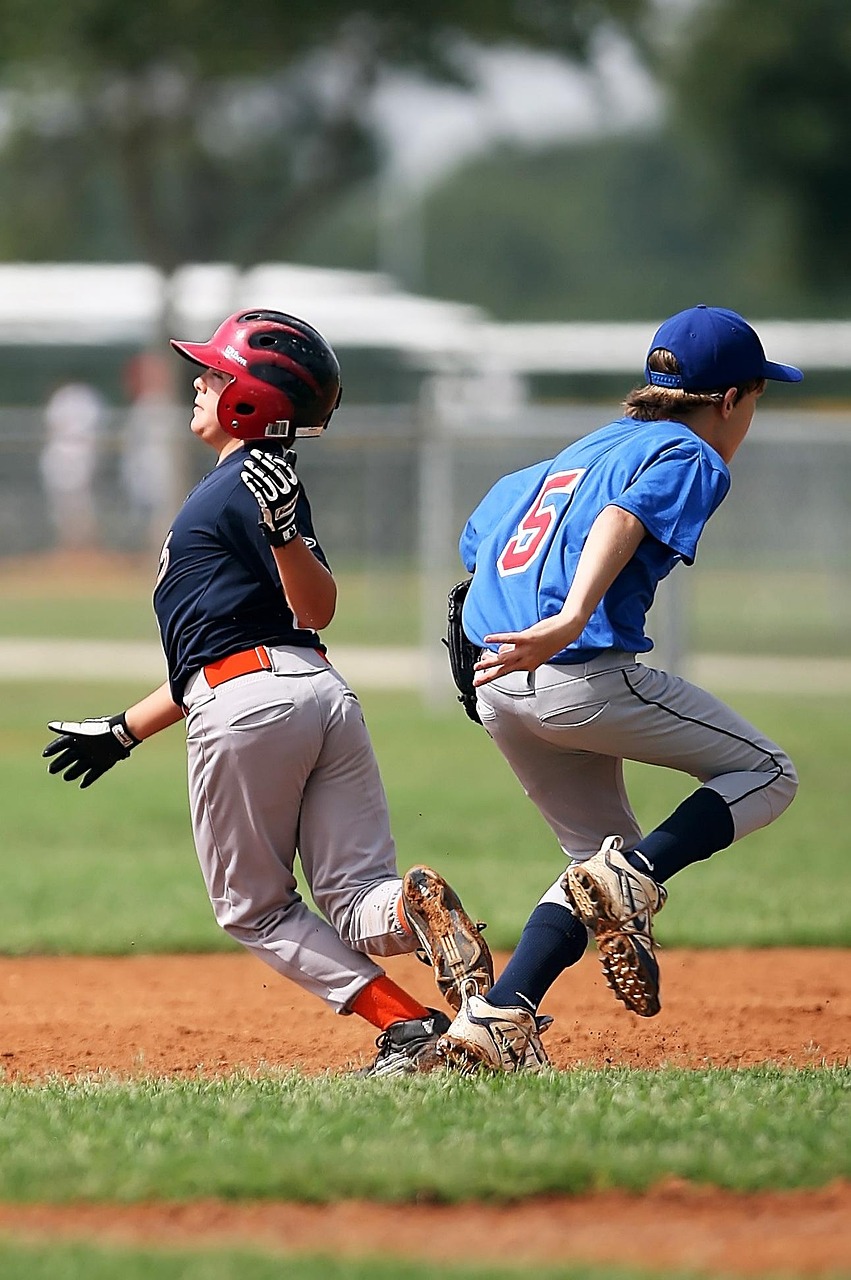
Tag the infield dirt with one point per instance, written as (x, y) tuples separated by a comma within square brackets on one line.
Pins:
[(180, 1015), (177, 1015)]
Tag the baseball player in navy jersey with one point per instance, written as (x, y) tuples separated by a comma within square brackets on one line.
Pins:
[(566, 557), (280, 760)]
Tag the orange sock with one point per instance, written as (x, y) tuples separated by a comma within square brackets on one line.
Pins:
[(382, 1003), (401, 917)]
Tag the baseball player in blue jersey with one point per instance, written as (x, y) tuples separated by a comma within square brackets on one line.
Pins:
[(280, 760), (566, 557)]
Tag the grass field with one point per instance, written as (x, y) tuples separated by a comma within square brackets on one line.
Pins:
[(114, 866), (728, 610), (453, 1139), (81, 1262)]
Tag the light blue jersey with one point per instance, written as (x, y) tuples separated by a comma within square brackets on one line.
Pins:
[(524, 540)]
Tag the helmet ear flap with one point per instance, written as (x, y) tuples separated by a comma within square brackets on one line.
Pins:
[(245, 407)]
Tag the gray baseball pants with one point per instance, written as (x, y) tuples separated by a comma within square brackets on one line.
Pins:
[(566, 730), (281, 762)]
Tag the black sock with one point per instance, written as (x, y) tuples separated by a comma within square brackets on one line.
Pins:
[(551, 941), (701, 826)]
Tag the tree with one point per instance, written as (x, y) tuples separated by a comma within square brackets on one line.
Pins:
[(766, 86), (180, 130)]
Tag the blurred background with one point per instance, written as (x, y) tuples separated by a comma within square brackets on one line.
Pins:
[(487, 206)]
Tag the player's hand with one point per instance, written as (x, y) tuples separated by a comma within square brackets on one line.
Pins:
[(524, 650), (87, 748), (275, 485)]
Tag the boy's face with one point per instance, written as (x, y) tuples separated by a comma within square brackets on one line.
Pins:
[(739, 420), (205, 424)]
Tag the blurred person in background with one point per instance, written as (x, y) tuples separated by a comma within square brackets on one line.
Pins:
[(74, 418), (148, 469)]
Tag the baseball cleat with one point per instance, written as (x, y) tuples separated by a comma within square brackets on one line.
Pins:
[(451, 943), (484, 1036), (618, 903), (406, 1048)]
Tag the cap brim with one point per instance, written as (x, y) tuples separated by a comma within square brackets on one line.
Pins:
[(782, 372)]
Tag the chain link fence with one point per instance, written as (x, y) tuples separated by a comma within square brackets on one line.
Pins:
[(391, 487)]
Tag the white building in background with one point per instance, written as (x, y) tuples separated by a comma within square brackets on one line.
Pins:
[(90, 304)]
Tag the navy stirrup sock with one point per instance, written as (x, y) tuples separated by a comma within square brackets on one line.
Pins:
[(551, 941), (701, 826)]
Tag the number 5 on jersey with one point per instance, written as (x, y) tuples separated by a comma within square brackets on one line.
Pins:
[(536, 527)]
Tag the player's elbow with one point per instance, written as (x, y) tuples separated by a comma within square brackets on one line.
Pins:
[(316, 617)]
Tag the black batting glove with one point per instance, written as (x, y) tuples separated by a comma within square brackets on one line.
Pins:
[(275, 485), (87, 748)]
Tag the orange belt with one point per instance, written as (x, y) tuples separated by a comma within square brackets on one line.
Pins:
[(237, 664)]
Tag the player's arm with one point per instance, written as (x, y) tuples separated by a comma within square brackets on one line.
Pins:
[(309, 587), (86, 749), (612, 541), (156, 711)]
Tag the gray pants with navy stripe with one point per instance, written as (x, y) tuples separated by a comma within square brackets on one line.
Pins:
[(280, 762), (566, 730)]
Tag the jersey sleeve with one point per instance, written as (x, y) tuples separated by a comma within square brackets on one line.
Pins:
[(469, 545), (674, 495)]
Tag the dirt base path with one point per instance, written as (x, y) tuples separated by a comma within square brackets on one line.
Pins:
[(673, 1228), (177, 1015)]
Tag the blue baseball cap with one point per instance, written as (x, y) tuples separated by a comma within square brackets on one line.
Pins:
[(715, 349)]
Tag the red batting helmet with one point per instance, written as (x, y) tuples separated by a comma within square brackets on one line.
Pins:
[(285, 379)]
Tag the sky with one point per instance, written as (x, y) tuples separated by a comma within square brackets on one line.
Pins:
[(523, 97)]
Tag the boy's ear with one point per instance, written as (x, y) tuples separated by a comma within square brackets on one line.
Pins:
[(728, 404)]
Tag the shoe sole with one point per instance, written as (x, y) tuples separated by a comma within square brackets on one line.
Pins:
[(620, 957), (425, 1059), (458, 950), (463, 1058), (468, 1060)]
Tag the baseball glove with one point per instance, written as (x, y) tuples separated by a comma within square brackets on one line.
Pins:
[(462, 653)]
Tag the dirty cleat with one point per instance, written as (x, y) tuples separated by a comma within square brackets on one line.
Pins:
[(408, 1047), (496, 1039), (452, 944), (618, 903)]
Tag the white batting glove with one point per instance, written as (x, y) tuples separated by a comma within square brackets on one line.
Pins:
[(273, 482)]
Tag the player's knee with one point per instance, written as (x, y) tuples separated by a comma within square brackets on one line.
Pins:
[(786, 783), (251, 930)]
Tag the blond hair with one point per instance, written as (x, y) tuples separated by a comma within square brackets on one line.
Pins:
[(652, 404)]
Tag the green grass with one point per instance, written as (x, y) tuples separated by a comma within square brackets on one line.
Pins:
[(89, 1262), (728, 610), (453, 1139), (780, 612), (113, 869), (375, 606)]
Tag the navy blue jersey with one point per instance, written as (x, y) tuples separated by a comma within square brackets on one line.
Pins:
[(218, 589), (525, 537)]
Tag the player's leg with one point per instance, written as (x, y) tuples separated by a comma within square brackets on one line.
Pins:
[(541, 725), (656, 718), (579, 794), (747, 781), (249, 754), (349, 859)]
